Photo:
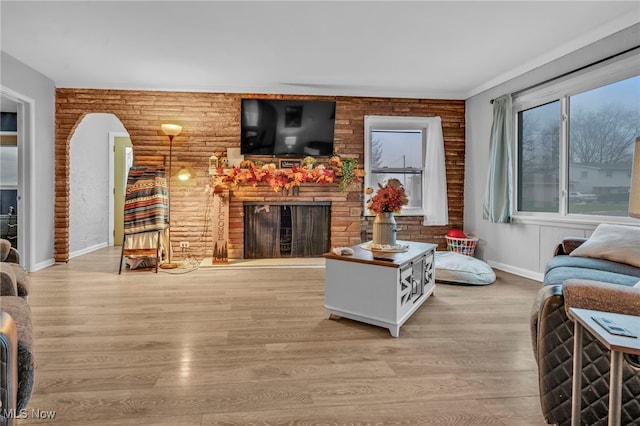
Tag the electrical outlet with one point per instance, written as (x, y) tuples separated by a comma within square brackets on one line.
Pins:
[(184, 244)]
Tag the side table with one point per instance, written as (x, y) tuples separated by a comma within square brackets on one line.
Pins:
[(618, 345)]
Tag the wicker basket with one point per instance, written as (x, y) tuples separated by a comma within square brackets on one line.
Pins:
[(466, 246)]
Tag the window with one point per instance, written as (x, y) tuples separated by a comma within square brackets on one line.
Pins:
[(395, 148), (538, 158), (575, 142)]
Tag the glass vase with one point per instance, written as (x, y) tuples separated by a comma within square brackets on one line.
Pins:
[(384, 229)]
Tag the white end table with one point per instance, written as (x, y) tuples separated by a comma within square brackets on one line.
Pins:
[(618, 345)]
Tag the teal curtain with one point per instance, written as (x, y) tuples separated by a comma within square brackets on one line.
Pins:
[(497, 198)]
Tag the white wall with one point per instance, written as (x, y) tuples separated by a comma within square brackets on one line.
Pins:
[(21, 79), (522, 248), (89, 183)]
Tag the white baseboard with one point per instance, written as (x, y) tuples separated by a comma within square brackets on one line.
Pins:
[(532, 275), (88, 250), (42, 265)]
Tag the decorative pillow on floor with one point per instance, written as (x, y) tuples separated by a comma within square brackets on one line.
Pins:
[(456, 268)]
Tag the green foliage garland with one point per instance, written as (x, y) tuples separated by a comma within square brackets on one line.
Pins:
[(349, 166)]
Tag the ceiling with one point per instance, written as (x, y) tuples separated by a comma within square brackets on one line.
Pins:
[(419, 49)]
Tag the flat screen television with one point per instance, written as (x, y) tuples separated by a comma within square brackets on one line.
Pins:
[(287, 127)]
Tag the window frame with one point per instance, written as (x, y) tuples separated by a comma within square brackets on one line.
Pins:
[(394, 123), (617, 69)]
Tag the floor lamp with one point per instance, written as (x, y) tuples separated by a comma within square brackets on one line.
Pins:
[(171, 130)]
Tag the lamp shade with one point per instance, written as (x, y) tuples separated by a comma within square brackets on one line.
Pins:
[(171, 129), (184, 174), (634, 191)]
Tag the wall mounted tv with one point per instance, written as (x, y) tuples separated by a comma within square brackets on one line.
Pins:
[(287, 127)]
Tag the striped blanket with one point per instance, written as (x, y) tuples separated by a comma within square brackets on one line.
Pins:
[(146, 205)]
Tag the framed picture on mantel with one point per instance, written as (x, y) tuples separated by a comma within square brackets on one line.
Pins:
[(287, 164)]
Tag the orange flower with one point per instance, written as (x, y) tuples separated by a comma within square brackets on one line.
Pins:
[(389, 198)]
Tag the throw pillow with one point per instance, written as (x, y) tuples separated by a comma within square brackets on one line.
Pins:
[(456, 268), (618, 243), (5, 247)]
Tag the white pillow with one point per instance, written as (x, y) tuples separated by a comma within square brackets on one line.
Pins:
[(456, 268), (617, 243)]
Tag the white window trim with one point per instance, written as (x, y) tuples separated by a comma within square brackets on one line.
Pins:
[(397, 123), (608, 72)]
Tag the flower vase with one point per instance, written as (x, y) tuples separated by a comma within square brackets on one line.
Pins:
[(384, 229)]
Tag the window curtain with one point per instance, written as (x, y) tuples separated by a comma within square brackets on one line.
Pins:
[(436, 208), (497, 197)]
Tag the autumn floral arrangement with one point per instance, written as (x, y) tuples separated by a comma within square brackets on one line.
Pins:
[(279, 179), (389, 198)]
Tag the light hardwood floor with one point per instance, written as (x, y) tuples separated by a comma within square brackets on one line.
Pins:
[(252, 346)]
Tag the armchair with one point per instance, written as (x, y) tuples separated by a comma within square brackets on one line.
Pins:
[(17, 365), (589, 283), (553, 351), (9, 367)]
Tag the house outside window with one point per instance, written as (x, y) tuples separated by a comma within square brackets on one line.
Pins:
[(395, 148), (575, 142)]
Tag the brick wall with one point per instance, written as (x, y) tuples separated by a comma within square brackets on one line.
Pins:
[(211, 123)]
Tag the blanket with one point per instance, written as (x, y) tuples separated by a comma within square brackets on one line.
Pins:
[(146, 206)]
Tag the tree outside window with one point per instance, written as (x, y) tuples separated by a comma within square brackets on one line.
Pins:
[(602, 125)]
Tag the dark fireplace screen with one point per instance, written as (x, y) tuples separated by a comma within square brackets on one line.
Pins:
[(286, 230)]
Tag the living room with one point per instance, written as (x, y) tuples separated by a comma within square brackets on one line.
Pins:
[(210, 121), (499, 243)]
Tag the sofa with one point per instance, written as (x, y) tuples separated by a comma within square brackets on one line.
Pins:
[(598, 273), (17, 365)]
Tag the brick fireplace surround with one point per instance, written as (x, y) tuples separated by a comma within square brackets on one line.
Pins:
[(211, 123)]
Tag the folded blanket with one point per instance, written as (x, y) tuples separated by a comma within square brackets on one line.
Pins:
[(146, 206)]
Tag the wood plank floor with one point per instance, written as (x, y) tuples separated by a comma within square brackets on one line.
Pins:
[(252, 347)]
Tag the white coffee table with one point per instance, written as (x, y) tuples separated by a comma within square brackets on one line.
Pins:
[(384, 293)]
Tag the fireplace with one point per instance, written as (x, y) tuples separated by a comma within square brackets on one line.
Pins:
[(286, 229)]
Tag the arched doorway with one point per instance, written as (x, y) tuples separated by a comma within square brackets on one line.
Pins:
[(91, 182)]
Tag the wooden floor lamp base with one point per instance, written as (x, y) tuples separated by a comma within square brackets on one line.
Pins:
[(168, 265)]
